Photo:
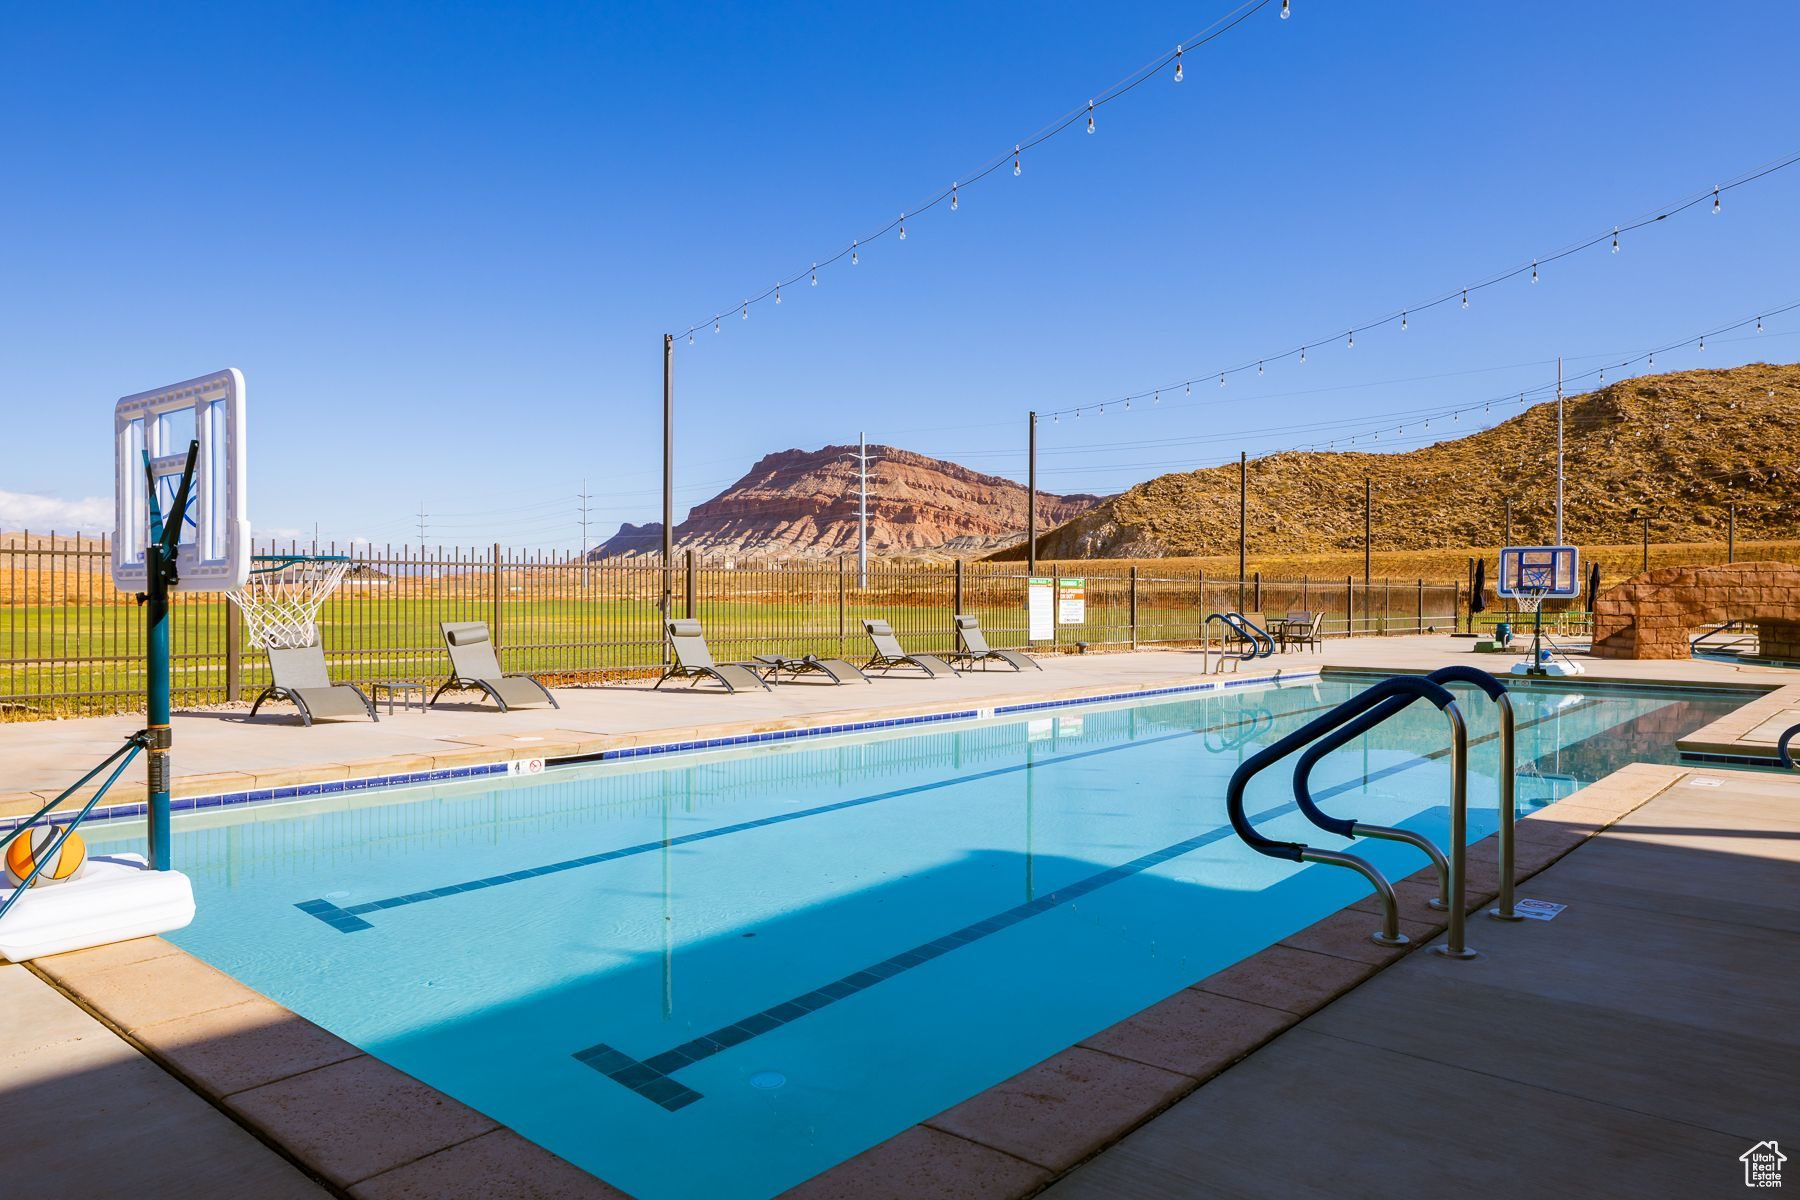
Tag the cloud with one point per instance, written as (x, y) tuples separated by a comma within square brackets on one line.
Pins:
[(43, 514)]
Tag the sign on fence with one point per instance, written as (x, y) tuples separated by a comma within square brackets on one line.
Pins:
[(1071, 604), (1040, 596)]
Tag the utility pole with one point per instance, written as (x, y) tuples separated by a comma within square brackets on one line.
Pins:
[(585, 498), (863, 459), (422, 516), (1559, 451), (1031, 498), (1243, 518), (668, 496)]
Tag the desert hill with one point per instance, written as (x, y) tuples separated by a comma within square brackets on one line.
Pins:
[(1679, 448), (804, 502)]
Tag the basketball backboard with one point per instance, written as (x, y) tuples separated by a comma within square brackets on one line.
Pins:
[(1539, 572), (214, 543)]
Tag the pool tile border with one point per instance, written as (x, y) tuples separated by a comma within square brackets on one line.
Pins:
[(995, 1137), (519, 762)]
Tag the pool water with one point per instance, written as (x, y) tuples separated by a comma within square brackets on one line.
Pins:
[(719, 974)]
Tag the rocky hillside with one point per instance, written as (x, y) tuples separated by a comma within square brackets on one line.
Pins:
[(1680, 448), (804, 502)]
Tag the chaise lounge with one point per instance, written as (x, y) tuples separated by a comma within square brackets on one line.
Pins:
[(975, 648), (693, 659), (889, 654), (474, 667), (300, 676)]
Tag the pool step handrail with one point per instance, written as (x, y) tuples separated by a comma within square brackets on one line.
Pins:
[(1782, 753), (122, 756), (1452, 868), (1409, 686), (1257, 639)]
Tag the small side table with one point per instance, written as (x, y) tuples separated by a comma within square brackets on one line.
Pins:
[(405, 689)]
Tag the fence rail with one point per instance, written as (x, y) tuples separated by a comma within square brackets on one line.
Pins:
[(71, 644)]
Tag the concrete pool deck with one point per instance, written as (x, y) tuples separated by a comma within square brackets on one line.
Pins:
[(287, 1102), (221, 751)]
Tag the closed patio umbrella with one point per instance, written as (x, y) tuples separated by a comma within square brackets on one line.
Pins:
[(1593, 583), (1478, 595)]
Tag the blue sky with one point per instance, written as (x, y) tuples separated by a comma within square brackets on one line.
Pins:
[(443, 241)]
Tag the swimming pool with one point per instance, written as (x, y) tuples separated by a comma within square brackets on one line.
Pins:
[(717, 974)]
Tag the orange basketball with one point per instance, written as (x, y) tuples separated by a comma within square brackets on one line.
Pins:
[(29, 849)]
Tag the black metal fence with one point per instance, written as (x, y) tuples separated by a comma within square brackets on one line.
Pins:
[(71, 644)]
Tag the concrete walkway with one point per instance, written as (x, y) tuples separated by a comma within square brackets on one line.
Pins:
[(82, 1113), (1634, 1046)]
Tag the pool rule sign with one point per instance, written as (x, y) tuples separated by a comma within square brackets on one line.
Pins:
[(1040, 607), (1071, 602)]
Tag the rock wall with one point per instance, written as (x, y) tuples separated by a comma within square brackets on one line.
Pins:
[(1653, 615)]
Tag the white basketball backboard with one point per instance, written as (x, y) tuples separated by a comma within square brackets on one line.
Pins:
[(214, 546), (1539, 572)]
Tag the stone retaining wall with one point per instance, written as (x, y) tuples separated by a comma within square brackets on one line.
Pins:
[(1653, 614)]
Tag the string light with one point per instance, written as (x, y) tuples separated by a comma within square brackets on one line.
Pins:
[(1615, 248), (1465, 297), (854, 260), (746, 310), (815, 275), (1303, 354), (1534, 270), (953, 197), (1284, 9), (1350, 342), (1221, 379), (1016, 167), (1759, 324), (903, 227), (1715, 200), (1703, 345), (1403, 320), (1090, 116), (715, 324), (778, 293), (1259, 369), (1178, 64), (690, 335)]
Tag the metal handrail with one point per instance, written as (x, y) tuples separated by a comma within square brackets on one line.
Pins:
[(1261, 720), (1256, 634), (1781, 747), (1225, 620), (124, 754), (1409, 686), (1452, 869)]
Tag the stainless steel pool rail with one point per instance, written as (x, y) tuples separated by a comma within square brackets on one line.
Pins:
[(1452, 868), (1781, 747), (1257, 641), (1406, 688)]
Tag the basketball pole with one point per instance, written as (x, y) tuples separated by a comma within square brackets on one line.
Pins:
[(1559, 451), (668, 491), (160, 558)]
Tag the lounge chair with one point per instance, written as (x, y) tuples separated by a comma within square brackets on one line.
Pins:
[(300, 676), (975, 648), (835, 669), (1300, 629), (888, 653), (1236, 637), (687, 643), (473, 666)]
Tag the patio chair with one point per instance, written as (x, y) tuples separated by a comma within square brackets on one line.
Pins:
[(888, 653), (300, 676), (692, 659), (1235, 636), (1301, 629), (834, 669), (473, 666), (975, 649)]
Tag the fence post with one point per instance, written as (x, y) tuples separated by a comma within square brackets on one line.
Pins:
[(1257, 607), (959, 585), (234, 652), (1419, 626), (688, 598), (843, 645), (1349, 606), (1200, 620), (494, 600), (1134, 631)]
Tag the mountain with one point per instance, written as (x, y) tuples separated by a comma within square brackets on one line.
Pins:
[(804, 503), (1680, 448)]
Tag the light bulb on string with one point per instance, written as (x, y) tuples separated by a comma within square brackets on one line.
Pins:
[(778, 293), (1284, 9), (854, 258), (903, 227), (1521, 397), (1056, 418), (1350, 342), (1534, 270), (1652, 362), (690, 335), (1259, 366), (1128, 404), (1715, 200), (1759, 324), (815, 275), (1703, 345), (1016, 167), (1103, 409), (953, 197), (1078, 414), (1465, 297), (1221, 379), (1615, 249), (715, 324), (746, 310), (1602, 376), (1090, 116), (1403, 320), (1178, 64)]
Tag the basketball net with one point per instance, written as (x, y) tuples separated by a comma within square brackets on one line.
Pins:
[(281, 599)]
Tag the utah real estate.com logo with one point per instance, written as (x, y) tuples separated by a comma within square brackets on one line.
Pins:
[(1762, 1165)]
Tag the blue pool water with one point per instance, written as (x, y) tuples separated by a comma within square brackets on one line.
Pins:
[(715, 975)]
